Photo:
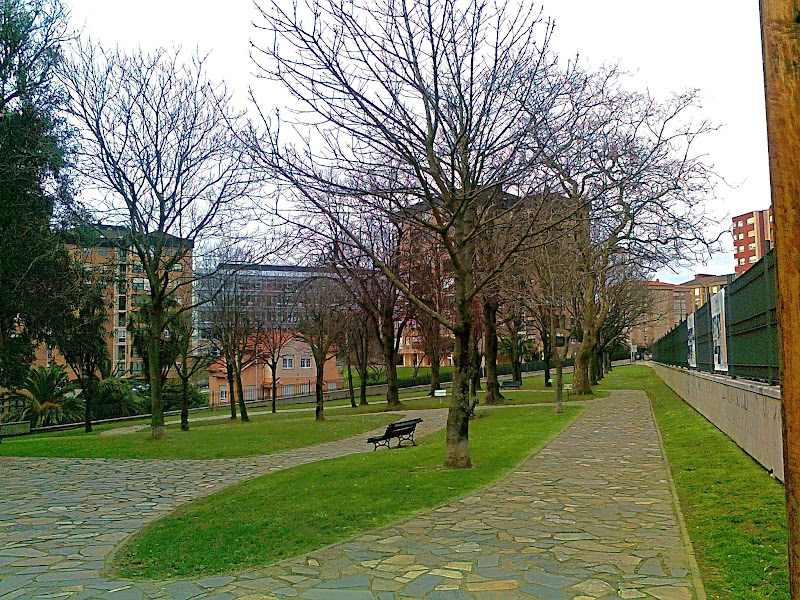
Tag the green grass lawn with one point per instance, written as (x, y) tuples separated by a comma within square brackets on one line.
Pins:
[(206, 439), (304, 508), (735, 512)]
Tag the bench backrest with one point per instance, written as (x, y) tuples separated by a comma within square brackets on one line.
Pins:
[(402, 427)]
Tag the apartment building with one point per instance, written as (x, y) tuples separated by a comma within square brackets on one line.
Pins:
[(704, 286), (108, 248), (296, 375), (670, 305), (753, 236)]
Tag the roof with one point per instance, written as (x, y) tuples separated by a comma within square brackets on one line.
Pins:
[(103, 235)]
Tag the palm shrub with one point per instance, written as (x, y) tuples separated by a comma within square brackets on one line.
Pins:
[(116, 399), (48, 399)]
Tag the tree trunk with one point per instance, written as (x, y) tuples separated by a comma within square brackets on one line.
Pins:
[(558, 408), (89, 395), (231, 394), (240, 393), (546, 343), (516, 362), (318, 391), (580, 372), (184, 404), (594, 369), (435, 357), (475, 367), (159, 430), (274, 387), (390, 361), (350, 381), (607, 362), (493, 395), (457, 449)]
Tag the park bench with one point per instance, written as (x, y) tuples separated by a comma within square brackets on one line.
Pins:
[(568, 389), (511, 384), (402, 430), (439, 393)]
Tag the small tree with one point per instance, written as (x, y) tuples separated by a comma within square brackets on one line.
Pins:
[(193, 355), (321, 311), (81, 335)]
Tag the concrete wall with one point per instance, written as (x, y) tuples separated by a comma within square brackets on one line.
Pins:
[(746, 411)]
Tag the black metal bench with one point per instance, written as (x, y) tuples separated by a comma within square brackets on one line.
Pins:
[(511, 384), (402, 430)]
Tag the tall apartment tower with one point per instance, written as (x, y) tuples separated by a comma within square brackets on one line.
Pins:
[(752, 237)]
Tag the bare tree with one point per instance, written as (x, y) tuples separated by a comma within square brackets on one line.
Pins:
[(276, 330), (321, 307), (156, 138), (418, 113), (193, 356), (627, 163)]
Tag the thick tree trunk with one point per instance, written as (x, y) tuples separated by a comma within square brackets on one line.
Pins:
[(184, 404), (607, 362), (580, 372), (594, 369), (475, 368), (350, 381), (159, 430), (493, 395), (558, 408), (231, 390), (240, 394), (457, 450)]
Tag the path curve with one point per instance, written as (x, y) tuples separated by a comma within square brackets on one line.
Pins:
[(591, 516)]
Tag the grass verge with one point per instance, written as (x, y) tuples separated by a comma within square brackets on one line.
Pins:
[(735, 512), (206, 439), (304, 508)]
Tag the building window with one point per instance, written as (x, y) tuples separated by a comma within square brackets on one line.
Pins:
[(696, 291), (305, 362), (751, 220), (741, 248), (223, 395), (751, 233), (288, 390), (714, 289), (753, 259), (741, 261), (102, 251), (120, 352), (751, 246), (740, 224), (741, 236), (288, 362), (331, 386)]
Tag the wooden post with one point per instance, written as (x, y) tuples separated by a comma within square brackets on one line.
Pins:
[(780, 31)]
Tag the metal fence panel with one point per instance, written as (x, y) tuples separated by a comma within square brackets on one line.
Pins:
[(752, 323), (704, 342), (751, 328)]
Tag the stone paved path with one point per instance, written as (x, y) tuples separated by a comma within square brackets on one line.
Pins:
[(60, 517), (591, 516)]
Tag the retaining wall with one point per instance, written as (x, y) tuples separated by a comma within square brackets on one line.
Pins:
[(746, 411)]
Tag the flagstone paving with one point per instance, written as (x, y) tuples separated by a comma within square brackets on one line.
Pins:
[(589, 517), (60, 517)]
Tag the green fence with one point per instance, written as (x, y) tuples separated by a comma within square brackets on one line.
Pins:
[(751, 331), (752, 323)]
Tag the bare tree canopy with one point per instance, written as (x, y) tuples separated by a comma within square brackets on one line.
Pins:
[(158, 139), (417, 112)]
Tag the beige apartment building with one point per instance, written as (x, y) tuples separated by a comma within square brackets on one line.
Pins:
[(110, 250)]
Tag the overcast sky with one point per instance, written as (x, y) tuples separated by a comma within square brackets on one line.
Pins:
[(710, 45)]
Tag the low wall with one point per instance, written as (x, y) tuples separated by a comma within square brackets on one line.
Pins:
[(746, 411)]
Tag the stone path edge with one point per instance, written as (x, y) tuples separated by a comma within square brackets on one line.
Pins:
[(109, 572), (697, 580)]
